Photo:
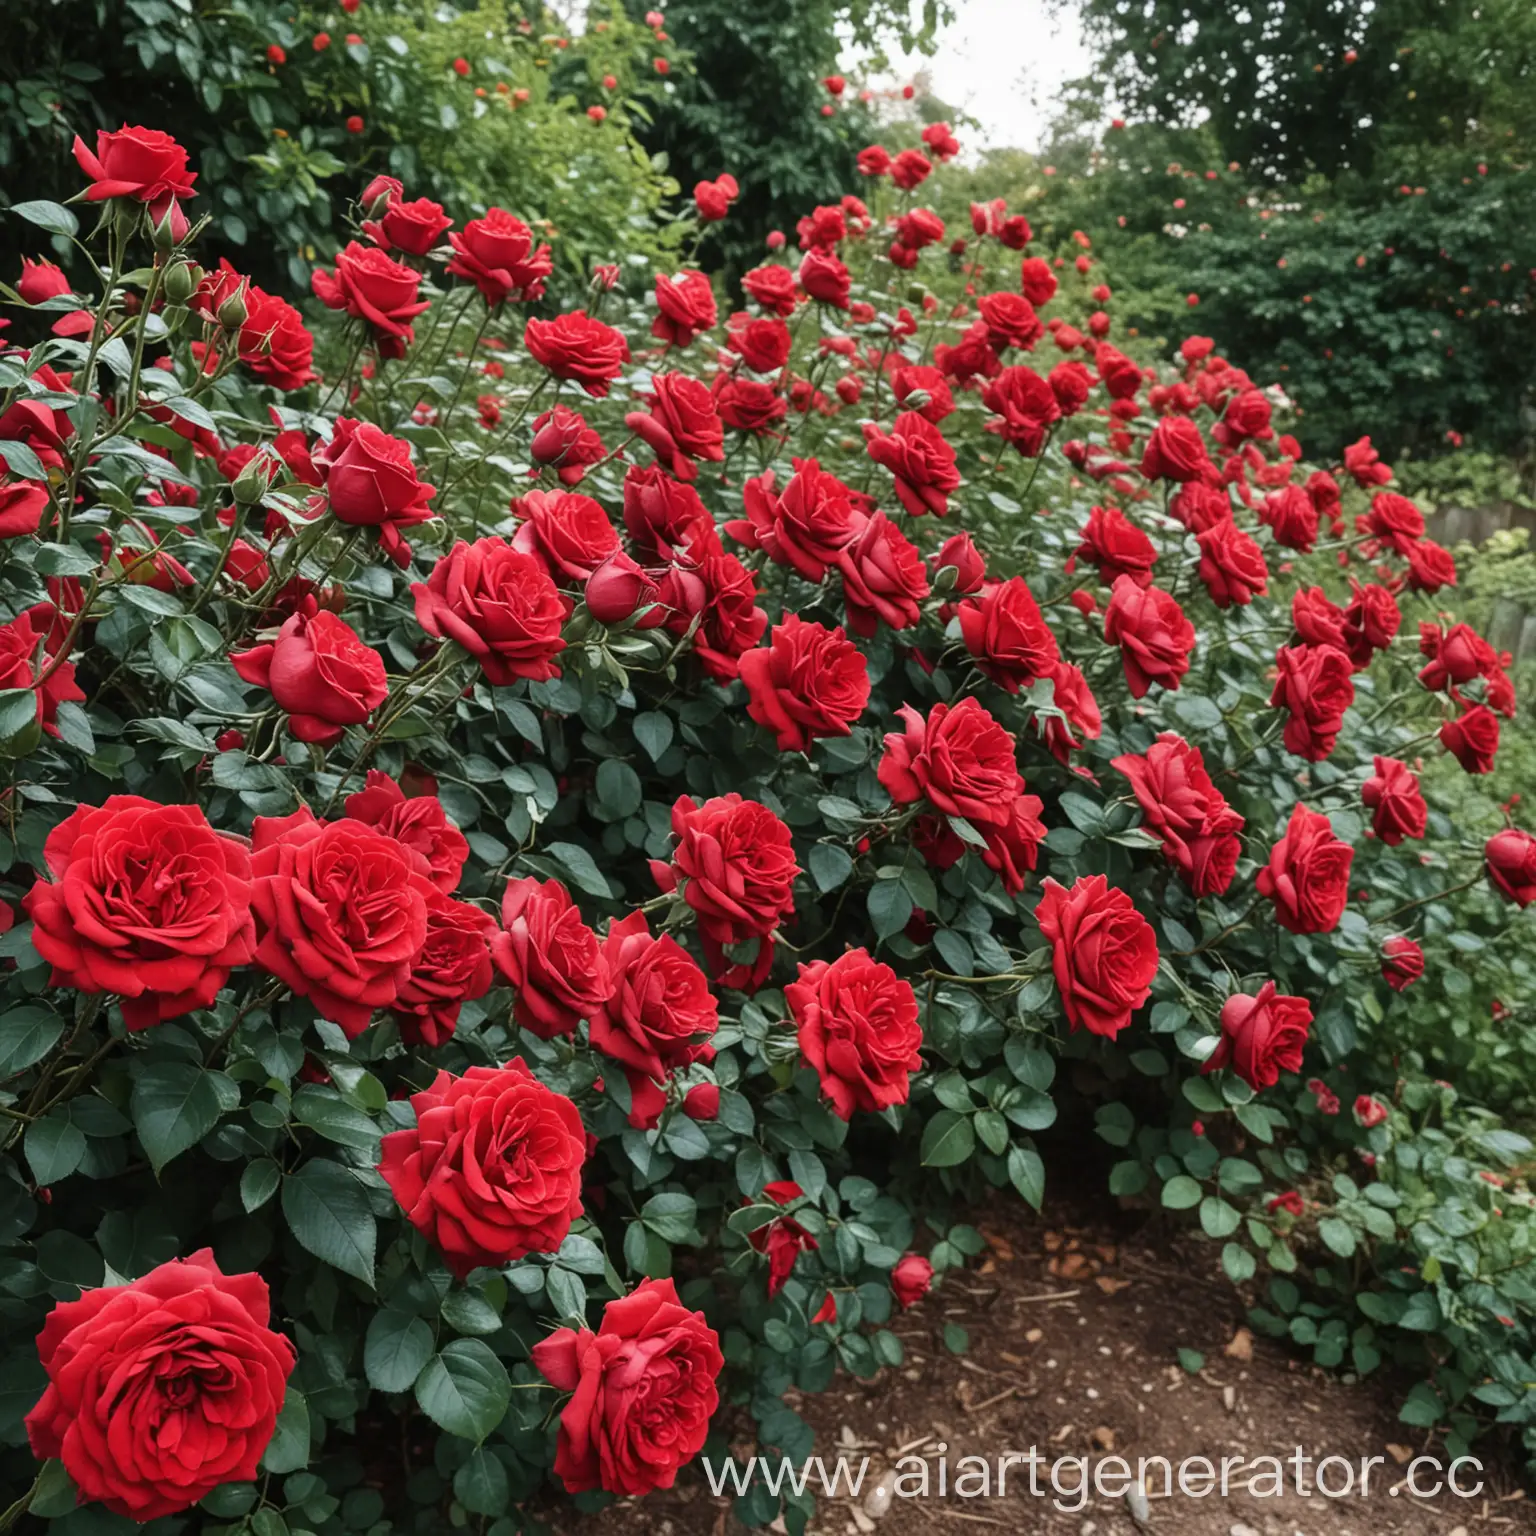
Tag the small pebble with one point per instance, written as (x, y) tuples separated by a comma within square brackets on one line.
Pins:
[(1140, 1509), (877, 1502), (1242, 1530), (1229, 1399)]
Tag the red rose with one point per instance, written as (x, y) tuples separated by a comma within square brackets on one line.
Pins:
[(319, 673), (911, 383), (1176, 451), (1307, 874), (911, 1279), (739, 863), (1120, 376), (1011, 320), (1290, 1202), (1180, 803), (1364, 464), (644, 1390), (1071, 383), (1232, 566), (141, 163), (418, 821), (824, 278), (749, 405), (682, 424), (1430, 566), (702, 1102), (371, 483), (972, 355), (1315, 685), (1262, 1036), (763, 344), (808, 526), (620, 590), (1104, 952), (874, 160), (25, 662), (1005, 631), (567, 532), (551, 957), (497, 254), (1510, 857), (960, 760), (341, 913), (1318, 620), (1247, 415), (1116, 546), (147, 901), (1037, 280), (919, 458), (809, 681), (771, 288), (687, 304), (713, 199), (500, 604), (1456, 656), (958, 553), (413, 227), (372, 287), (659, 1017), (1154, 636), (491, 1171), (22, 504), (724, 602), (453, 968), (1402, 963), (858, 1027), (1394, 520), (910, 168), (1291, 517), (783, 1239), (574, 346), (1199, 506), (883, 577), (1393, 795), (162, 1388), (272, 340), (664, 517), (1370, 1112), (1472, 738), (1024, 406), (563, 441), (41, 281), (1371, 621)]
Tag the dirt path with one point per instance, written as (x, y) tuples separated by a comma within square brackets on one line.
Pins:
[(1074, 1350)]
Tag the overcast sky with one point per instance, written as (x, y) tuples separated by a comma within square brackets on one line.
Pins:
[(1004, 61)]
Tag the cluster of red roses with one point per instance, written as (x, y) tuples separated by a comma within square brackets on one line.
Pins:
[(359, 914)]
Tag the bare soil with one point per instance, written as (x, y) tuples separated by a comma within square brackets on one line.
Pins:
[(1074, 1340)]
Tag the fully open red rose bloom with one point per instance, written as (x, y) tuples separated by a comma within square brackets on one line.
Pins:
[(491, 1170), (643, 1390), (146, 901), (1104, 952), (162, 1389)]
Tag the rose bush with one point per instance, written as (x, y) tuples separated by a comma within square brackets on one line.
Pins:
[(570, 946)]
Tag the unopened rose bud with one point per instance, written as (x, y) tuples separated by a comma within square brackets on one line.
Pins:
[(250, 485), (167, 225), (234, 312), (959, 554), (702, 1102), (617, 589), (181, 280)]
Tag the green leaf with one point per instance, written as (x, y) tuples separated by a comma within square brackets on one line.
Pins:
[(671, 1216), (259, 1183), (1239, 1264), (465, 1389), (1127, 1178), (993, 1131), (288, 1449), (890, 907), (480, 1485), (1192, 1361), (27, 1034), (618, 790), (1181, 1193), (175, 1104), (329, 1115), (1026, 1170), (947, 1139), (1338, 1235), (654, 731), (1217, 1218), (830, 866), (53, 217), (327, 1210), (54, 1147), (577, 863), (395, 1350)]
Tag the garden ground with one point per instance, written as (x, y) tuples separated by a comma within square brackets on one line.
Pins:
[(1074, 1339)]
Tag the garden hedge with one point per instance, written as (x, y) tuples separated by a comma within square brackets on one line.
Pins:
[(550, 836)]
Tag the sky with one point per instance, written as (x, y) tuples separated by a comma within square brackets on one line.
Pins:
[(1004, 61)]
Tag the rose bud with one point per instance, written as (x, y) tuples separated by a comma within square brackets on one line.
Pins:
[(702, 1102), (618, 588), (959, 553), (181, 281)]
